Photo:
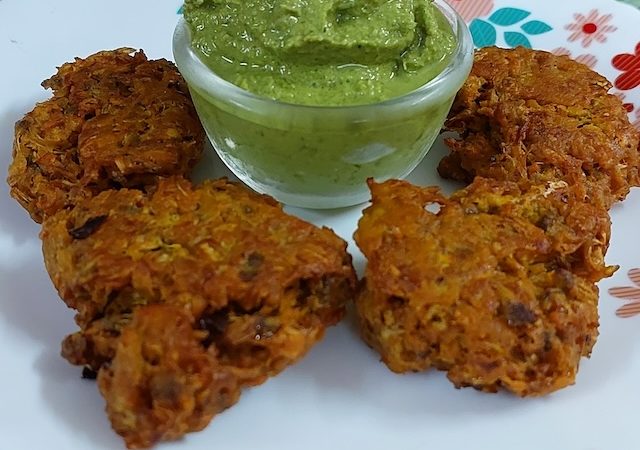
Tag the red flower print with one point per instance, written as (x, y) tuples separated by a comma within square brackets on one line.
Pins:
[(589, 28), (470, 9), (630, 65), (588, 59), (630, 293)]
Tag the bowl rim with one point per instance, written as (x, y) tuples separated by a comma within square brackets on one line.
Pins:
[(199, 75)]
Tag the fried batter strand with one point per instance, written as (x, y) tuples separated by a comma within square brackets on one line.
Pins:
[(526, 115), (256, 288), (497, 288), (115, 120)]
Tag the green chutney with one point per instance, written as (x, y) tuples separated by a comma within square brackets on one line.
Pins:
[(330, 65), (322, 52)]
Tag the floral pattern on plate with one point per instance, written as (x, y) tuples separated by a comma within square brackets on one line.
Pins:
[(629, 64), (509, 23), (590, 27), (629, 293)]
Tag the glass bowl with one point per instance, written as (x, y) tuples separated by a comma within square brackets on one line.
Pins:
[(321, 156)]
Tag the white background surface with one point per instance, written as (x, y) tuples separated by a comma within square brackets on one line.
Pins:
[(340, 396)]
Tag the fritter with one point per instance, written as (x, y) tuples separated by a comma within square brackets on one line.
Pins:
[(529, 115), (257, 288), (115, 120), (497, 287), (162, 382)]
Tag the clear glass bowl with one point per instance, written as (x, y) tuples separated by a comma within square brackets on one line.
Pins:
[(321, 156)]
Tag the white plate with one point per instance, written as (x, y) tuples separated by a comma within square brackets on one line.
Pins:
[(340, 396)]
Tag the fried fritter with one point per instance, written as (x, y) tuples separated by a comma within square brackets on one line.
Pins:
[(256, 286), (115, 120), (497, 288), (162, 382), (529, 115)]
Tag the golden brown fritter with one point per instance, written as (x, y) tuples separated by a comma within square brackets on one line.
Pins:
[(162, 382), (529, 115), (258, 286), (115, 119), (497, 288)]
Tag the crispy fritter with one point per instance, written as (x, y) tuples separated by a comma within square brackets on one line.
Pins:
[(529, 115), (259, 287), (115, 119), (497, 288), (162, 382)]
